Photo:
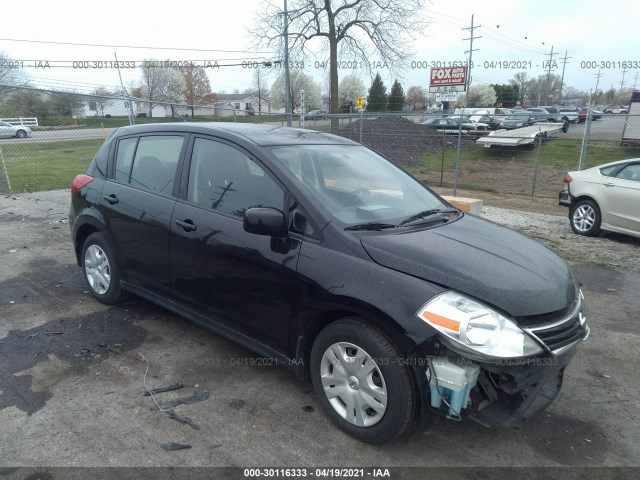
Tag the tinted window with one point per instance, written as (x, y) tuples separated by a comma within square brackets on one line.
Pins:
[(225, 179), (355, 184), (630, 172), (124, 159), (149, 162), (609, 171)]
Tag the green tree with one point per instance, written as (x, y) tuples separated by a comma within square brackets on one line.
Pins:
[(377, 98), (507, 95), (396, 98)]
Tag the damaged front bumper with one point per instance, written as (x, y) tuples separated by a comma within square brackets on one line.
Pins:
[(498, 394)]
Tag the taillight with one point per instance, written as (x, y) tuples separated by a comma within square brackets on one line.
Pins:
[(567, 179), (80, 181)]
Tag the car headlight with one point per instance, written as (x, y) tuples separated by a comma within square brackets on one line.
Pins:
[(476, 327)]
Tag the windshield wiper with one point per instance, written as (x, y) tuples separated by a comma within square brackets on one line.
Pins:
[(427, 213), (371, 226)]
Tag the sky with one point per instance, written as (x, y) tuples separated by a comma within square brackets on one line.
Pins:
[(55, 41)]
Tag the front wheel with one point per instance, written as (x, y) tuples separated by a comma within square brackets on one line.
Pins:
[(100, 269), (585, 218), (362, 382), (21, 134)]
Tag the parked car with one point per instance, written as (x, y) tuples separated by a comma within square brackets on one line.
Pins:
[(322, 256), (316, 115), (558, 115), (570, 114), (490, 121), (606, 197), (616, 109), (19, 131), (452, 124), (518, 120)]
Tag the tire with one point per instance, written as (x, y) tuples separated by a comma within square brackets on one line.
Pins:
[(21, 134), (361, 381), (100, 270), (585, 218)]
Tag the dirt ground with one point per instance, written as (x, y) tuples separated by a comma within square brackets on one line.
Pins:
[(72, 374)]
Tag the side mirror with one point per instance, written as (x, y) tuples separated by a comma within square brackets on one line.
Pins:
[(265, 221)]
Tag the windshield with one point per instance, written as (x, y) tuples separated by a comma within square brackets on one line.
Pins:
[(355, 184)]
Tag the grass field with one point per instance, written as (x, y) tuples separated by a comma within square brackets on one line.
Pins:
[(34, 167), (524, 170), (52, 165)]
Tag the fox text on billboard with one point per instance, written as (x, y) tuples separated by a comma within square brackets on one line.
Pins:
[(448, 76)]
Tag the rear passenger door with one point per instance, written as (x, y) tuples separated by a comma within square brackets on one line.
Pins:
[(137, 201), (241, 280), (620, 198)]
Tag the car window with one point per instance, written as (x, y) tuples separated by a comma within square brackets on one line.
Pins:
[(609, 171), (630, 172), (354, 184), (223, 178), (149, 162)]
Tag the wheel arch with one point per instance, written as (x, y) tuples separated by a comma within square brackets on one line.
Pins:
[(343, 308), (86, 227), (585, 196)]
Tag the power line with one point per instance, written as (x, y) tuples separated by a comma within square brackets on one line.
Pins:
[(148, 47)]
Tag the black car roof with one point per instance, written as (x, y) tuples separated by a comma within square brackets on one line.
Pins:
[(259, 134)]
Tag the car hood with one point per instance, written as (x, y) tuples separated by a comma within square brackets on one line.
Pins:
[(492, 263)]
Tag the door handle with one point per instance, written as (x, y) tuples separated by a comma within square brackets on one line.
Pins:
[(187, 225), (608, 184), (112, 199)]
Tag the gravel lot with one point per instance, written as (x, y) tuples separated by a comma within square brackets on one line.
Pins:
[(71, 381)]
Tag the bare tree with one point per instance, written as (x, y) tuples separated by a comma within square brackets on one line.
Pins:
[(358, 30), (11, 73), (100, 101), (416, 97), (260, 87), (197, 86)]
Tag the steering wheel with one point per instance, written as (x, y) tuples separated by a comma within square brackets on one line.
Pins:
[(355, 196)]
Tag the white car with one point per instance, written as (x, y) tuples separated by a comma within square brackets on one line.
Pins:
[(606, 197), (8, 130), (616, 109)]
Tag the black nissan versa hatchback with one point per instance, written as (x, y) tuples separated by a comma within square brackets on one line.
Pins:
[(316, 252)]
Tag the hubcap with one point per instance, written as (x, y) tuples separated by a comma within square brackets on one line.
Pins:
[(97, 269), (353, 384), (584, 217)]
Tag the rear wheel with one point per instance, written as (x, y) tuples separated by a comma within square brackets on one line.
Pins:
[(101, 270), (585, 218), (362, 382)]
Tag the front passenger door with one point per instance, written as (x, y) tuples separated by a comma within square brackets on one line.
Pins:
[(232, 277)]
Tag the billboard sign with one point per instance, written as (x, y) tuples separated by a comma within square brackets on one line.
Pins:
[(444, 76)]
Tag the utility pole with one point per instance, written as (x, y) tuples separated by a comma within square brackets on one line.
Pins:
[(470, 52), (597, 75), (549, 63), (564, 64), (466, 100), (622, 81), (635, 81), (287, 78)]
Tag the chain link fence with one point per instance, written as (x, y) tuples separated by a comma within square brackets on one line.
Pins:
[(525, 166)]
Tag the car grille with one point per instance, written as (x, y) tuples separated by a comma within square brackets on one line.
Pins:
[(563, 334)]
